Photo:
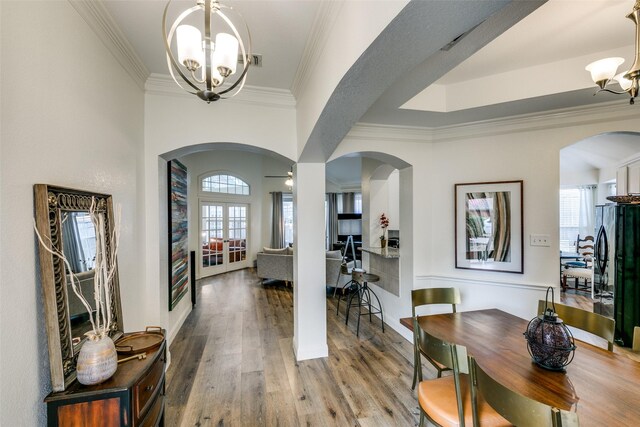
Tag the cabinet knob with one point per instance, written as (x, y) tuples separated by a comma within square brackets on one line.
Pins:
[(148, 388)]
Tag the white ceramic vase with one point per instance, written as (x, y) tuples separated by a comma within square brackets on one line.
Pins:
[(97, 361)]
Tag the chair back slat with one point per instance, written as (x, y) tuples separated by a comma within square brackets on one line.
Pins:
[(452, 356), (515, 408), (596, 324), (428, 296)]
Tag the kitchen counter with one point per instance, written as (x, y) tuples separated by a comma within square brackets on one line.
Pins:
[(385, 262), (383, 252)]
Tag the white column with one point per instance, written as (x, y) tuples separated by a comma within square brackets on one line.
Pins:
[(309, 281)]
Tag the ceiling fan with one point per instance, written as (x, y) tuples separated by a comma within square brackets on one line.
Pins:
[(288, 177)]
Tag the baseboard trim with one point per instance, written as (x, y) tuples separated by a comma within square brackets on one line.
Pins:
[(315, 352)]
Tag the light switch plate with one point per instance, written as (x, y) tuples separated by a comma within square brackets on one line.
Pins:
[(540, 240)]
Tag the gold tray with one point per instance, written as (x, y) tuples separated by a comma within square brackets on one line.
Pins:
[(138, 342), (628, 199)]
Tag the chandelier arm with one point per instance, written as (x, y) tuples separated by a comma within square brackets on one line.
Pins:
[(611, 91), (186, 89), (240, 80), (171, 61)]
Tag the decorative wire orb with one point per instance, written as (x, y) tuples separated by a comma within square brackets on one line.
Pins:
[(549, 341)]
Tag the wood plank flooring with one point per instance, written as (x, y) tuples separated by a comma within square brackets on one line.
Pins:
[(233, 365)]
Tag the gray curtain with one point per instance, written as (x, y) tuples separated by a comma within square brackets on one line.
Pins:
[(72, 246), (348, 202), (332, 219), (277, 220)]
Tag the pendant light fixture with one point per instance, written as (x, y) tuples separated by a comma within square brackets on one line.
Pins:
[(603, 72), (208, 63)]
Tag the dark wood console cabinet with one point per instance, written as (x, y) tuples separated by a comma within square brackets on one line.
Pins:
[(133, 397)]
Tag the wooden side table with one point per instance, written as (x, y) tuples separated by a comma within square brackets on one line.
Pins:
[(134, 397)]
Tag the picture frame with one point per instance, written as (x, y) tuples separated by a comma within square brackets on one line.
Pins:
[(178, 232), (489, 226)]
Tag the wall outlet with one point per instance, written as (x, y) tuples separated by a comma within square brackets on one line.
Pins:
[(540, 240)]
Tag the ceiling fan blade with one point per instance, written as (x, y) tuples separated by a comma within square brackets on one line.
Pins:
[(276, 176)]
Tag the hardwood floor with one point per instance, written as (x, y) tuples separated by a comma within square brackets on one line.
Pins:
[(232, 364)]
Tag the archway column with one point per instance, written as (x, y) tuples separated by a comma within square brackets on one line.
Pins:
[(309, 275)]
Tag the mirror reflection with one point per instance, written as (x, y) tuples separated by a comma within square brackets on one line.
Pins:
[(79, 246)]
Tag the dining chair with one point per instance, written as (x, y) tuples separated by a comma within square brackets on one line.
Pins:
[(580, 268), (446, 401), (636, 339), (515, 408), (596, 324), (585, 248), (422, 297)]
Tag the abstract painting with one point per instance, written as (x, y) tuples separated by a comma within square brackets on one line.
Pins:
[(488, 231), (178, 233)]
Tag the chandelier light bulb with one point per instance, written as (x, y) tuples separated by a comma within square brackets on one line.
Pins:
[(624, 82), (603, 70), (190, 53), (227, 53)]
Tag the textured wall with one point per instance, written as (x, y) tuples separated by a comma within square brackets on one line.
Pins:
[(71, 116)]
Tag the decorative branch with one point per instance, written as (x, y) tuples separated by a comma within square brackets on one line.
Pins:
[(104, 270)]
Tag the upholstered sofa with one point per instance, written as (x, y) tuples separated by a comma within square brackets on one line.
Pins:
[(277, 264)]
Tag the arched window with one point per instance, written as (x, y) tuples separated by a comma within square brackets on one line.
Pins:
[(223, 183)]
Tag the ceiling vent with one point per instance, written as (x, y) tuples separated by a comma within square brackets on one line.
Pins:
[(255, 59), (447, 47)]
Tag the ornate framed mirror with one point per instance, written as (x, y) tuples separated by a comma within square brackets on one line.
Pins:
[(62, 220)]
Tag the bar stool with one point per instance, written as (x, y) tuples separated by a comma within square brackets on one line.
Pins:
[(363, 294)]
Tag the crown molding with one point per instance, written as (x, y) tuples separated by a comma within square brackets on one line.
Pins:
[(162, 84), (100, 21), (552, 119), (316, 41), (373, 132)]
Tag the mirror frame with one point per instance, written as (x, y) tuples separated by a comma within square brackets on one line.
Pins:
[(50, 202)]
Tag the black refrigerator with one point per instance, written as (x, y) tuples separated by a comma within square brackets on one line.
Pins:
[(617, 267)]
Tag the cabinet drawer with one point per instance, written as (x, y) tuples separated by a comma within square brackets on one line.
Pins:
[(147, 388), (152, 419)]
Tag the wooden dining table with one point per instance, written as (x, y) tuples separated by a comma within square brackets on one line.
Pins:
[(602, 387)]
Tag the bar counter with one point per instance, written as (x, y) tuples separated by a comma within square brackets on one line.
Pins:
[(384, 262)]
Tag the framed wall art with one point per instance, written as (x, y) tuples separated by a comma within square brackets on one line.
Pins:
[(178, 232), (488, 231)]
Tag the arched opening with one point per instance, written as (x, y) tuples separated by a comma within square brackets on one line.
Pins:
[(384, 185), (229, 219), (591, 172)]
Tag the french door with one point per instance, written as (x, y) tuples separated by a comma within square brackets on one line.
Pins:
[(223, 237)]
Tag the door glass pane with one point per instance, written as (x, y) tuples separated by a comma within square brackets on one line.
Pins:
[(212, 235), (237, 222)]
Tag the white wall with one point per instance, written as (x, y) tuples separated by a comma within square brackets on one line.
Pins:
[(500, 151), (65, 123)]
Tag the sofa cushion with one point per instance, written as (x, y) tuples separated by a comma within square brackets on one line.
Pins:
[(334, 254), (273, 251)]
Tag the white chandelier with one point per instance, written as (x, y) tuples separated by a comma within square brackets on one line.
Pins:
[(603, 72), (206, 67)]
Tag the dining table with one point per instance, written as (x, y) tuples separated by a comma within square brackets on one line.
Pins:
[(602, 387)]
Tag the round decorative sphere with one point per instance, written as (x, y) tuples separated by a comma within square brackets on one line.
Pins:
[(550, 342), (97, 361)]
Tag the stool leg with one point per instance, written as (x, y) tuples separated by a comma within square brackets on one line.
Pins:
[(360, 297), (379, 308)]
